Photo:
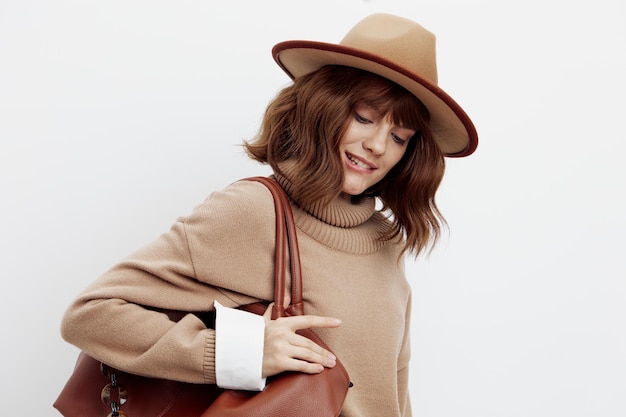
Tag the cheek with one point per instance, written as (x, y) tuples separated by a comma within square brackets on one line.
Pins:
[(397, 157), (352, 134)]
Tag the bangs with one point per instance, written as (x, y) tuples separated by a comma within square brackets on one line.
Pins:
[(405, 109)]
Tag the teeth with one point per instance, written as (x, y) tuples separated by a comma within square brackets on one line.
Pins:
[(358, 163)]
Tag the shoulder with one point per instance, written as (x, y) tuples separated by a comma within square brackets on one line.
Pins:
[(239, 216), (242, 202)]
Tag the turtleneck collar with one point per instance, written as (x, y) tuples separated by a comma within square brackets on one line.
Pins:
[(346, 224), (344, 211)]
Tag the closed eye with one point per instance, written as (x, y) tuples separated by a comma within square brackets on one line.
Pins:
[(398, 139), (361, 119)]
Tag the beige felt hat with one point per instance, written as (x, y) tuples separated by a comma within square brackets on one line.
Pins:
[(399, 50)]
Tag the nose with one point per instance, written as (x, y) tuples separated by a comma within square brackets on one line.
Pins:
[(376, 142)]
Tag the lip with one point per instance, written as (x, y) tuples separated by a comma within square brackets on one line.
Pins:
[(350, 156)]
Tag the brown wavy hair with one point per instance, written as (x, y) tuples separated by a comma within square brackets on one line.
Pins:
[(306, 122)]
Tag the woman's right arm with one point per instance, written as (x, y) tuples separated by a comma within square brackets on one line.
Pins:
[(136, 317)]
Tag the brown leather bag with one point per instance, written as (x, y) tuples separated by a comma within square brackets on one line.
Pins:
[(97, 390)]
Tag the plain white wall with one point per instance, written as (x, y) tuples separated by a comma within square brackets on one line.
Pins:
[(118, 116)]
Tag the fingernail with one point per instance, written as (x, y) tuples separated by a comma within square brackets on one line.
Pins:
[(332, 360)]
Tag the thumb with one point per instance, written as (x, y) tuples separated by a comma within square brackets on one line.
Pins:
[(267, 316), (287, 300)]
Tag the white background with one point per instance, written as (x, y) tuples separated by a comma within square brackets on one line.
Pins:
[(118, 116)]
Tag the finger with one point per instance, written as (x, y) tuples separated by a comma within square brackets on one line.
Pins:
[(291, 344), (304, 367), (303, 348), (304, 342), (306, 322), (296, 359), (314, 355)]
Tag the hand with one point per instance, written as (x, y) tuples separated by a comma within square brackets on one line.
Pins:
[(285, 350)]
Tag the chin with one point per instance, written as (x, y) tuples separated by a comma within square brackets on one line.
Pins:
[(355, 185), (351, 190)]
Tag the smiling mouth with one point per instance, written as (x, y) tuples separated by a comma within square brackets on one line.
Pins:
[(358, 162)]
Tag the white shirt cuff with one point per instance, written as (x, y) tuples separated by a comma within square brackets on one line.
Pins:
[(239, 338)]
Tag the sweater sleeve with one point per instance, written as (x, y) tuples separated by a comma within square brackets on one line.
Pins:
[(139, 316)]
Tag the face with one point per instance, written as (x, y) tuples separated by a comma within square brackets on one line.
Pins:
[(371, 146)]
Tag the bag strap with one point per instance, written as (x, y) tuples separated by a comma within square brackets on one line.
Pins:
[(285, 228)]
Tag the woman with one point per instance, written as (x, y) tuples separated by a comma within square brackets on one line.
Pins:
[(364, 121)]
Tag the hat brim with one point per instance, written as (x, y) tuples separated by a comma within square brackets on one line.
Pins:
[(452, 128)]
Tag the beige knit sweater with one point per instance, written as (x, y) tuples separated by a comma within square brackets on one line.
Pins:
[(225, 251)]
